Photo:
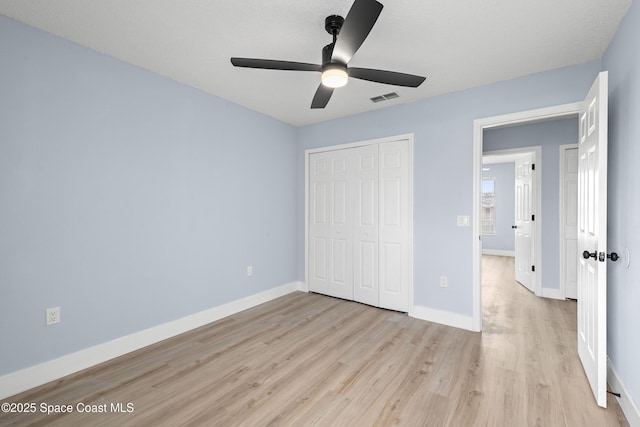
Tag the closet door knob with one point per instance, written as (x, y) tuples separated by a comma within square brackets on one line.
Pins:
[(514, 226), (587, 255)]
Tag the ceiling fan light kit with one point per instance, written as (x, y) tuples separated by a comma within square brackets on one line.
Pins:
[(334, 76), (348, 35)]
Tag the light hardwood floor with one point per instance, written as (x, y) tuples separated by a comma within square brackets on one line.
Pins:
[(307, 359)]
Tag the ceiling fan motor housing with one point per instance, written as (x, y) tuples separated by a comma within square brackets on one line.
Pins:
[(332, 24)]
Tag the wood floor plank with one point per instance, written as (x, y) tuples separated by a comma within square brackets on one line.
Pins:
[(311, 360)]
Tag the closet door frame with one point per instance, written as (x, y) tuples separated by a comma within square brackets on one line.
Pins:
[(307, 153)]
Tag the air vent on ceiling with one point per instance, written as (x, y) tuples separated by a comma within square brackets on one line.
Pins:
[(385, 97)]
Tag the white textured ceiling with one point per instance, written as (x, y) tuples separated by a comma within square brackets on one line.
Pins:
[(456, 44)]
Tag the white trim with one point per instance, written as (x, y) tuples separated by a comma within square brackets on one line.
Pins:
[(489, 159), (479, 125), (411, 230), (303, 286), (306, 219), (562, 213), (402, 137), (442, 317), (626, 402), (476, 227), (552, 293), (529, 116), (498, 252), (536, 152), (408, 137), (25, 379)]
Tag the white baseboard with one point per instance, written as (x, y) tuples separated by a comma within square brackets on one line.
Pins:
[(303, 286), (498, 252), (19, 381), (552, 293), (443, 317), (626, 402)]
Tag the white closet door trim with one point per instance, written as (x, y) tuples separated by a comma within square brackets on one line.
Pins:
[(407, 136), (307, 153)]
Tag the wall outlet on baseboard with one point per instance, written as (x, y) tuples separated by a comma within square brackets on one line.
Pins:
[(444, 282), (53, 315)]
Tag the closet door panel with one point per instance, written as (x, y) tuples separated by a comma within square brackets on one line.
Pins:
[(319, 223), (365, 184), (341, 229), (394, 225), (331, 224)]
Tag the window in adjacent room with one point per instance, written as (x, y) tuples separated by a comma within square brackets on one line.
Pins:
[(488, 206)]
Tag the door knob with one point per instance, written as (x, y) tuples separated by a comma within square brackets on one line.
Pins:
[(587, 255), (613, 256), (514, 226)]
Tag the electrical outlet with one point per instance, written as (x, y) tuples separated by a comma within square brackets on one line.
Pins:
[(53, 315), (444, 282), (250, 270)]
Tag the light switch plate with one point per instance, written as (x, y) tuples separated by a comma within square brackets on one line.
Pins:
[(463, 220)]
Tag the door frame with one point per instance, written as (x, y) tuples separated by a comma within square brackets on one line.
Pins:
[(563, 214), (408, 137), (512, 154), (494, 122)]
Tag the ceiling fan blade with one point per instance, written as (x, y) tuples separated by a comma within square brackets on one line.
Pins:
[(387, 77), (322, 96), (357, 25), (270, 64)]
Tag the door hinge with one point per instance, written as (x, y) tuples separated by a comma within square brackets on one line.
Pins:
[(533, 268), (533, 217), (533, 166)]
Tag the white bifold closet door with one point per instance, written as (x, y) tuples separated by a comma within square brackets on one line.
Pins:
[(395, 215), (365, 225), (359, 224), (331, 225)]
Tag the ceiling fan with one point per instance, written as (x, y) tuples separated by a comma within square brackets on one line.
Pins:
[(352, 31)]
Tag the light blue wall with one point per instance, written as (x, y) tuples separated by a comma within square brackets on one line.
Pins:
[(443, 177), (130, 200), (622, 60), (127, 199), (504, 175), (550, 135)]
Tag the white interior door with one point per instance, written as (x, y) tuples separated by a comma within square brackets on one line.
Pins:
[(395, 217), (592, 237), (570, 222), (330, 225), (524, 210), (365, 233)]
